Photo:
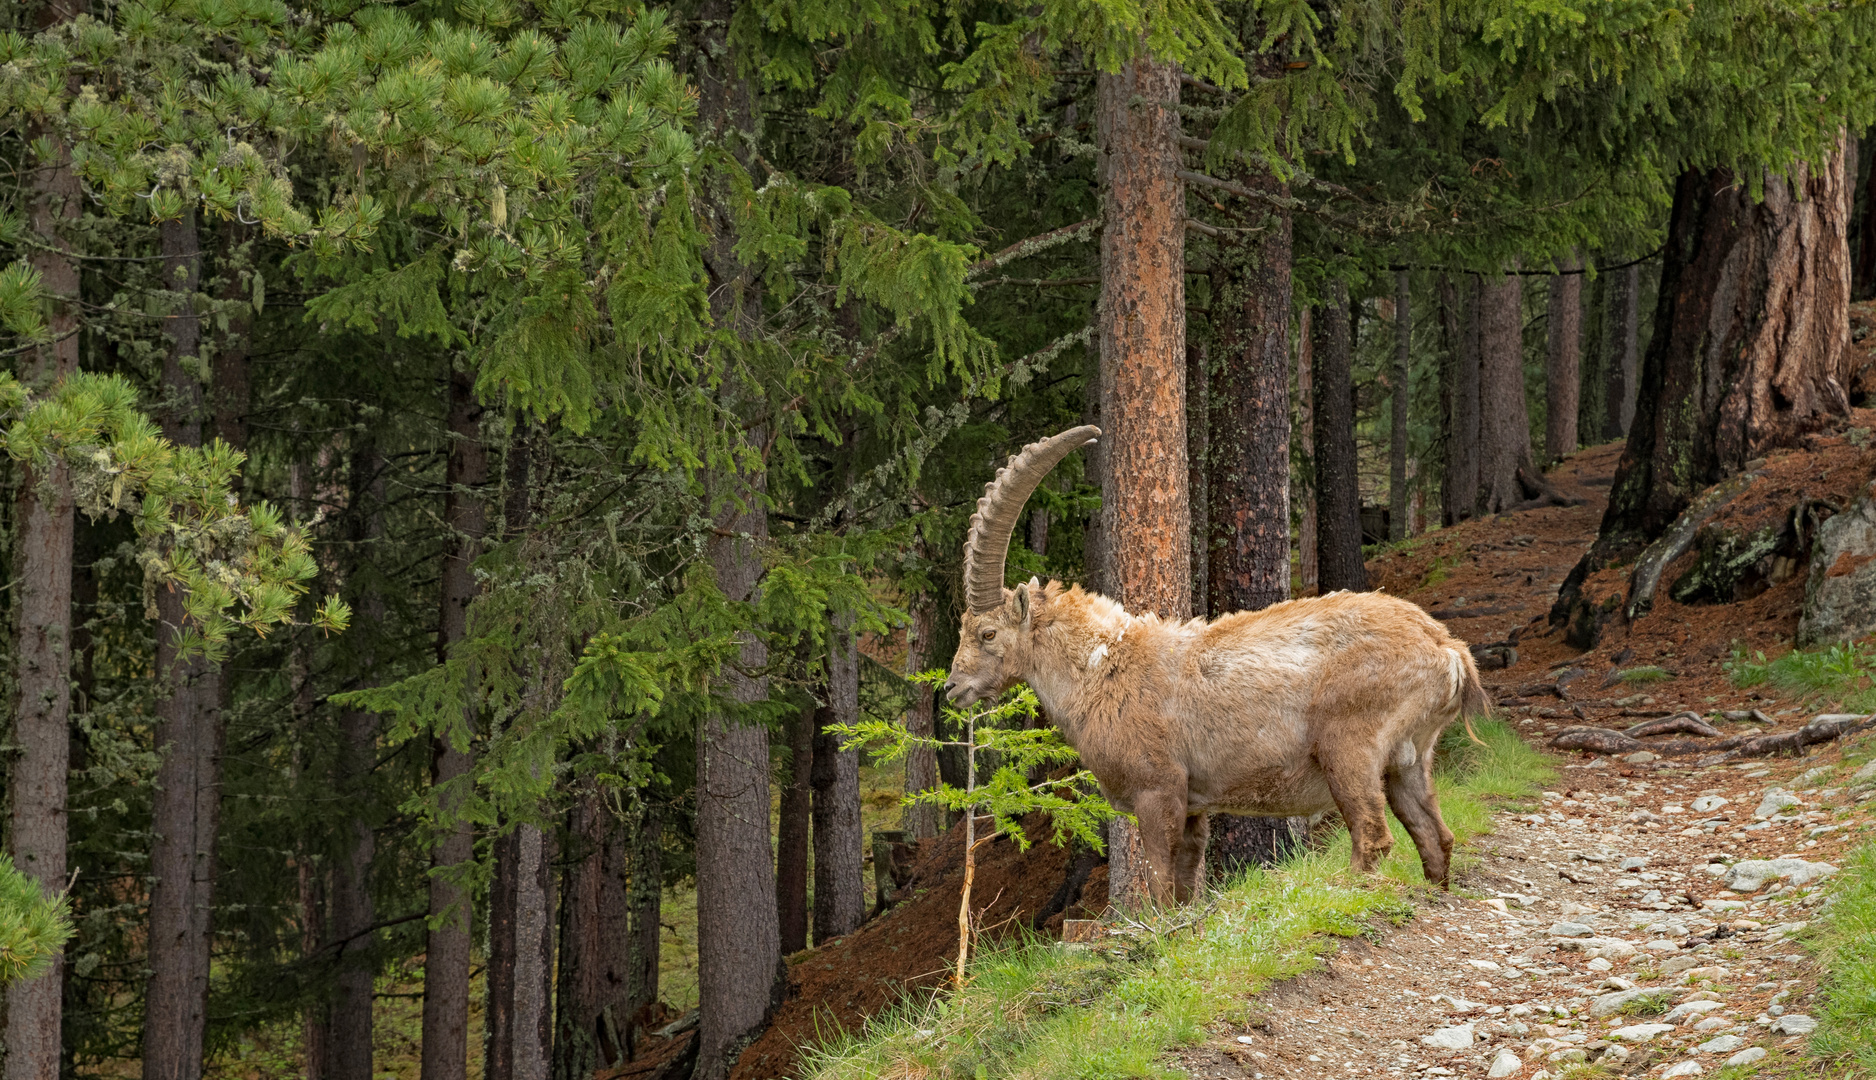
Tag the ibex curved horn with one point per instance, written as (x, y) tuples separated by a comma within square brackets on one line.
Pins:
[(988, 545)]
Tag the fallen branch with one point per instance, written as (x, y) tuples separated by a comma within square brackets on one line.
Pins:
[(1823, 729)]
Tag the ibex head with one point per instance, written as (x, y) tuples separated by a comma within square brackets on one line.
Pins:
[(993, 644)]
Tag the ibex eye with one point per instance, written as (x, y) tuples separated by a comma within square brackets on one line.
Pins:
[(990, 635)]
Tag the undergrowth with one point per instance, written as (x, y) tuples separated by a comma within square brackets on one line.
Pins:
[(1033, 1009), (1846, 1032), (1844, 673), (1647, 674)]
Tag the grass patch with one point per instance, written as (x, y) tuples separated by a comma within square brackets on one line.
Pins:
[(1844, 673), (1647, 1004), (1439, 570), (1033, 1009), (1846, 1031)]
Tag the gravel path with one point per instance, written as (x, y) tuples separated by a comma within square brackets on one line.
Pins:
[(1600, 927)]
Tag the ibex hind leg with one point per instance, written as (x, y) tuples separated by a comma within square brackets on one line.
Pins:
[(1189, 860), (1411, 793), (1355, 785)]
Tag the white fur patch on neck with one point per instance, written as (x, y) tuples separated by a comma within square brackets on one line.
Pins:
[(1099, 654)]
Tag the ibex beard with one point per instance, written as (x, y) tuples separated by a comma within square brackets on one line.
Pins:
[(1333, 702)]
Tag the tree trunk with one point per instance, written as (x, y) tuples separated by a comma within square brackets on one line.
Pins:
[(446, 953), (1397, 525), (1248, 482), (1094, 546), (791, 841), (1562, 359), (521, 930), (1865, 279), (646, 898), (187, 807), (351, 912), (1504, 421), (839, 860), (1621, 328), (315, 1031), (1460, 397), (1143, 406), (1590, 376), (921, 765), (1338, 491), (1308, 570), (594, 998), (42, 571), (1198, 458), (1748, 350)]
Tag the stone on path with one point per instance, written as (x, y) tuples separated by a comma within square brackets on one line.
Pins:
[(1610, 1004), (1571, 929), (1505, 1064), (1774, 803), (1725, 1044), (1747, 1056), (1449, 1038), (1708, 803), (1794, 1024), (1752, 874), (1689, 1010), (1640, 1032), (1685, 1068)]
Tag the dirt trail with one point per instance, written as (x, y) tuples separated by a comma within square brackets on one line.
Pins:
[(1615, 882)]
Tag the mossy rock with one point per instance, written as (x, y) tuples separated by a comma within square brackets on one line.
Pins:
[(1731, 566)]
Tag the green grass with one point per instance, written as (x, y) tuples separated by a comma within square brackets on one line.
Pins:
[(1646, 674), (1846, 1032), (1843, 672), (1033, 1009)]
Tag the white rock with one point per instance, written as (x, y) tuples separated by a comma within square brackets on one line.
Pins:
[(1747, 1056), (1685, 1068), (1706, 804), (1662, 945), (1812, 776), (1725, 1044), (1711, 973), (1788, 929), (1613, 1054), (1774, 803), (1689, 1009), (1864, 775), (1640, 1032), (1615, 950), (1723, 905), (1752, 874), (1597, 963), (1574, 1053), (1450, 1038), (1571, 929), (1505, 1063), (1640, 757), (1246, 1040), (1713, 1023), (1484, 965), (1794, 1024)]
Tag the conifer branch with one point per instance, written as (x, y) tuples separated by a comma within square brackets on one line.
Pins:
[(1023, 249)]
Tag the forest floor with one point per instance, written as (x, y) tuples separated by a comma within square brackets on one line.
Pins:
[(1616, 849)]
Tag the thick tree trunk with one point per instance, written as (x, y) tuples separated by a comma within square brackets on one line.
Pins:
[(446, 953), (1401, 398), (1145, 512), (839, 859), (1307, 569), (1504, 421), (593, 1002), (1338, 491), (1621, 334), (1562, 361), (1748, 352), (740, 974), (42, 571), (498, 1043), (921, 765), (1248, 431), (1094, 545), (1460, 397), (187, 807), (646, 899), (351, 912), (791, 839)]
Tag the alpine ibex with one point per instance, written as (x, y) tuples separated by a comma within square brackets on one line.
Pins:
[(1335, 701)]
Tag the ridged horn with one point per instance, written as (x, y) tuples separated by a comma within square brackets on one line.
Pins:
[(988, 545)]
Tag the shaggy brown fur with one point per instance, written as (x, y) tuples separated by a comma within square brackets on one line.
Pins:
[(1332, 702)]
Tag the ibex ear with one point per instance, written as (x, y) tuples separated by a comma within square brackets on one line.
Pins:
[(1020, 597)]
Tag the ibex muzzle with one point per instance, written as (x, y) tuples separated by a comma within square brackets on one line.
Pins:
[(1334, 702)]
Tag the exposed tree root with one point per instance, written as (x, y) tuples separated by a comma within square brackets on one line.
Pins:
[(1646, 577), (1609, 741), (1681, 723)]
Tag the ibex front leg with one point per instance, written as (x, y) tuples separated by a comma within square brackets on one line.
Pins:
[(1162, 815)]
